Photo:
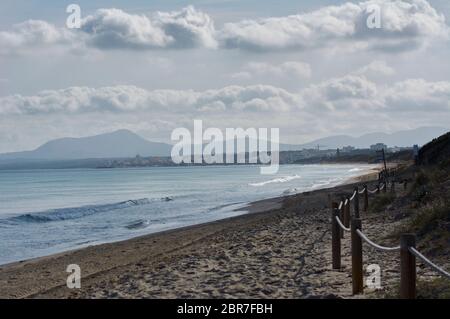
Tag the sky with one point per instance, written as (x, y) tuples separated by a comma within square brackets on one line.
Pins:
[(310, 68)]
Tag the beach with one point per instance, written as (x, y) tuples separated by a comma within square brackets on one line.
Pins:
[(280, 249)]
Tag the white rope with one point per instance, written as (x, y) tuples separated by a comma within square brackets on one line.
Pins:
[(340, 205), (374, 245), (353, 196), (362, 192), (373, 191), (429, 262), (382, 187), (340, 224)]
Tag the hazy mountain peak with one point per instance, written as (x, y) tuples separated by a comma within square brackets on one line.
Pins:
[(118, 144)]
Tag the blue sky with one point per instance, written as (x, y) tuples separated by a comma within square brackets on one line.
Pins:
[(14, 11), (302, 66)]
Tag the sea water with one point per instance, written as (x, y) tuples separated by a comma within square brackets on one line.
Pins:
[(49, 211)]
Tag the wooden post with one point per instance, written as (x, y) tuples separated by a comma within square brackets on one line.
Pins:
[(385, 186), (357, 258), (346, 220), (366, 198), (341, 217), (393, 187), (378, 188), (407, 267), (335, 238), (356, 207), (405, 184)]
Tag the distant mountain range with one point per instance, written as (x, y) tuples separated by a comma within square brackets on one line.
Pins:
[(124, 143), (118, 144)]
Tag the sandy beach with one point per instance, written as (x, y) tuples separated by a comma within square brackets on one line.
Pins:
[(280, 249)]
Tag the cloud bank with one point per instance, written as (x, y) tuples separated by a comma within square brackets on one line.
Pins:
[(405, 25), (350, 92)]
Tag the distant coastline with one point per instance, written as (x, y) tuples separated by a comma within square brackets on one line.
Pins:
[(286, 157)]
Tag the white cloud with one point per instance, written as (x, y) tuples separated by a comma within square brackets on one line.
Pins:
[(188, 27), (116, 29), (134, 99), (291, 69), (376, 68), (344, 94), (356, 93), (350, 91), (32, 33), (418, 95), (405, 25)]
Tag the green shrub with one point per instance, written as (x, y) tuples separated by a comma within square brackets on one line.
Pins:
[(380, 202), (438, 288), (430, 217)]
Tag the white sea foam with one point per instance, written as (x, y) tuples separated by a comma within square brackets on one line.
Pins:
[(291, 191), (277, 180)]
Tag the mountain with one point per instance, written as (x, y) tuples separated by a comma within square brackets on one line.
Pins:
[(118, 144), (418, 136)]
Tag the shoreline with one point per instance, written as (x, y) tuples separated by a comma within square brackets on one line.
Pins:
[(38, 276)]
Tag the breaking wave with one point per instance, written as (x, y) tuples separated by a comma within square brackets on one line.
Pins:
[(80, 212), (138, 224), (277, 180)]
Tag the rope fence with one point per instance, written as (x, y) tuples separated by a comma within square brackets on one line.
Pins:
[(342, 225), (375, 245), (343, 220), (429, 262)]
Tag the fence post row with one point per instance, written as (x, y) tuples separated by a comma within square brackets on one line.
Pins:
[(408, 272), (335, 237), (407, 267)]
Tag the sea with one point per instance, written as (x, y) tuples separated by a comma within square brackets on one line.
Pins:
[(50, 211)]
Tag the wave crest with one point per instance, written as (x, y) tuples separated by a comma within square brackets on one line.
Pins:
[(277, 180), (79, 212)]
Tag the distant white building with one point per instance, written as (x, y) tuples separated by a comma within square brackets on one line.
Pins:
[(395, 149), (378, 147), (347, 149)]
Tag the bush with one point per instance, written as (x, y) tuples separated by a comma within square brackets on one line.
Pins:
[(380, 202), (429, 218), (438, 288), (432, 226)]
